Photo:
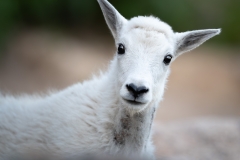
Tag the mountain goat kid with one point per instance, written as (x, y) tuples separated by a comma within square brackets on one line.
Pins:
[(112, 113)]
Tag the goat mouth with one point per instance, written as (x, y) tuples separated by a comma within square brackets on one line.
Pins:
[(133, 102)]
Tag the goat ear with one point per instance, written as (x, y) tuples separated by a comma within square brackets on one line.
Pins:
[(113, 18), (187, 41)]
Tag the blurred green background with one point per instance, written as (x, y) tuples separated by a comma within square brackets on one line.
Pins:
[(182, 15)]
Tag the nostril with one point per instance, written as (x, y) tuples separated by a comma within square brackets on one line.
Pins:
[(131, 87), (142, 89)]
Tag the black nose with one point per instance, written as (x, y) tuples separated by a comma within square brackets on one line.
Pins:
[(136, 91)]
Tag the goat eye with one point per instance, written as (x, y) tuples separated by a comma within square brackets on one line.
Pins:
[(167, 59), (121, 49)]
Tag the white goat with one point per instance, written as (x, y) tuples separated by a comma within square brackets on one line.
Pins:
[(112, 113)]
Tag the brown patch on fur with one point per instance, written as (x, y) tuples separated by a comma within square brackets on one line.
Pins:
[(154, 109), (151, 121), (139, 117), (153, 112), (120, 137), (125, 122)]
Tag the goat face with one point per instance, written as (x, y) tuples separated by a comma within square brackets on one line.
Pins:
[(143, 59), (145, 48)]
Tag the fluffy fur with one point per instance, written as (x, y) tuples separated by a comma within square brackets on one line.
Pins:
[(94, 117)]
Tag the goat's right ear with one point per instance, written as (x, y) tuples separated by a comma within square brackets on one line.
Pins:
[(113, 18)]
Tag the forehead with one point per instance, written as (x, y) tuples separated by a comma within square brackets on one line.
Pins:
[(147, 39), (147, 32)]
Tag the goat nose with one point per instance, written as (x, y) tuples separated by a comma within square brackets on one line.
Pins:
[(136, 91)]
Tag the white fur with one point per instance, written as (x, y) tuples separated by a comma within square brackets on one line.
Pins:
[(94, 117)]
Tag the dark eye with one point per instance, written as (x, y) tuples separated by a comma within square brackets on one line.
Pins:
[(167, 59), (121, 49)]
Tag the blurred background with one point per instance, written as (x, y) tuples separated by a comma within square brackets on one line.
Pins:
[(51, 44)]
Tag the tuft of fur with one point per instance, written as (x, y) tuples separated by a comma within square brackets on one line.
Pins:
[(150, 23)]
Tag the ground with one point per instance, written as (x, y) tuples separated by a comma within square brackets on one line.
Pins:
[(201, 102)]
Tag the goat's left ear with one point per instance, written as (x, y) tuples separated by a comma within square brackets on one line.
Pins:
[(187, 41)]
